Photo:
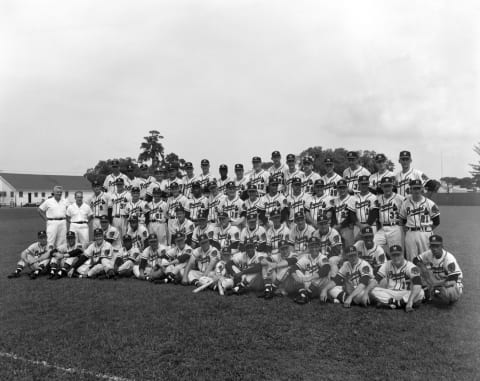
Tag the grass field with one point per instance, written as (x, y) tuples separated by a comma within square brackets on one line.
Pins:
[(77, 329)]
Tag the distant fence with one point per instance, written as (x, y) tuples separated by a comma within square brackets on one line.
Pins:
[(467, 199)]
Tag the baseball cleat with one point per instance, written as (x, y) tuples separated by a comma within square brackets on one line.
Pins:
[(13, 275), (33, 275), (301, 299)]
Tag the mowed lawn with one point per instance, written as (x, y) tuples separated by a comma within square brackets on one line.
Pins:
[(136, 330)]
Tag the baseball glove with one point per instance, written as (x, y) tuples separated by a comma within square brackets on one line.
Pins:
[(432, 186)]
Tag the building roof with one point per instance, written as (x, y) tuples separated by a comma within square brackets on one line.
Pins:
[(23, 182)]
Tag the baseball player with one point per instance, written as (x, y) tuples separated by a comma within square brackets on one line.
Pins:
[(224, 179), (403, 283), (258, 176), (253, 232), (159, 183), (364, 201), (309, 176), (144, 181), (126, 258), (79, 215), (110, 233), (376, 178), (152, 258), (354, 171), (176, 199), (157, 216), (273, 200), (203, 228), (197, 201), (131, 177), (188, 180), (301, 233), (178, 257), (173, 178), (110, 182), (277, 232), (137, 232), (118, 202), (278, 170), (331, 177), (329, 240), (137, 206), (385, 211), (312, 274), (353, 281), (205, 177), (252, 204), (181, 224), (297, 199), (232, 205), (291, 173), (345, 213), (369, 250), (36, 257), (64, 256), (201, 263), (99, 204), (97, 259), (407, 174), (214, 200), (441, 271), (319, 204), (420, 216), (54, 212), (241, 182), (225, 234)]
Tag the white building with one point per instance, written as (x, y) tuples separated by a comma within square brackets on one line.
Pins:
[(18, 189)]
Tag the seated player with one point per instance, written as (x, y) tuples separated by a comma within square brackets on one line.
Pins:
[(126, 258), (151, 259), (64, 256), (401, 285), (110, 233), (181, 224), (369, 250), (330, 240), (300, 233), (218, 279), (277, 232), (441, 272), (353, 281), (36, 257), (225, 234), (203, 227), (201, 263), (137, 232), (312, 274), (253, 232), (177, 257)]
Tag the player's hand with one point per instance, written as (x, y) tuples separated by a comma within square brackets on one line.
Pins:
[(347, 303), (323, 297), (409, 307)]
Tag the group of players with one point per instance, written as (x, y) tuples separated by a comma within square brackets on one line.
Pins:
[(359, 238)]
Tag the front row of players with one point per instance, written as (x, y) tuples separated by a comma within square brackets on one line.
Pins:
[(352, 278)]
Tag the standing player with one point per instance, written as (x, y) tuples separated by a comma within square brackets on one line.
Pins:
[(99, 204), (385, 211), (376, 178), (214, 200), (331, 177), (111, 180), (272, 200), (407, 174), (364, 201), (258, 176), (253, 232), (252, 204), (301, 233), (137, 207), (54, 212), (277, 232), (157, 216), (319, 204), (144, 181), (131, 177), (197, 201), (309, 176), (354, 171), (291, 173), (118, 203), (232, 205), (188, 179), (297, 200), (173, 178), (159, 182), (36, 257), (223, 180), (420, 216), (345, 213), (181, 224), (205, 177), (79, 216), (277, 170), (241, 182)]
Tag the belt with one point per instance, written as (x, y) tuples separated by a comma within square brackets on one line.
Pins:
[(118, 216), (56, 219), (97, 216), (419, 229), (79, 222), (390, 224)]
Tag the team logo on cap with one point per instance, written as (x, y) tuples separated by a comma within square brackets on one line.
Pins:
[(256, 159), (178, 235), (119, 181), (386, 181), (290, 157), (351, 250), (328, 160), (152, 237), (396, 249), (204, 162), (98, 232), (342, 183), (380, 157), (70, 235), (367, 231), (436, 239), (363, 180), (276, 154), (352, 155), (299, 216), (223, 166), (405, 155), (415, 184), (238, 167)]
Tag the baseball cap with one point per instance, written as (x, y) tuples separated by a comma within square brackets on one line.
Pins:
[(152, 237), (252, 216), (238, 167), (129, 167), (283, 243), (98, 232), (226, 250), (352, 155), (42, 234), (435, 239), (252, 187), (173, 185), (157, 170), (223, 166), (322, 219), (212, 183), (203, 238), (202, 214), (256, 159), (172, 167), (387, 180), (307, 160), (319, 182), (396, 249), (223, 215), (296, 181), (115, 163), (367, 231), (314, 241), (328, 160), (250, 242), (188, 165), (380, 157), (135, 189), (178, 236), (196, 184), (143, 167), (415, 184), (275, 213), (299, 216), (342, 183), (70, 235), (127, 238), (156, 190), (95, 184), (276, 154), (290, 157), (230, 185), (273, 180), (363, 179), (163, 169), (351, 250), (104, 219), (179, 208), (133, 218), (204, 162), (119, 181), (405, 155)]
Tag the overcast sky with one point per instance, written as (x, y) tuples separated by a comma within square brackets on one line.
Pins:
[(226, 80)]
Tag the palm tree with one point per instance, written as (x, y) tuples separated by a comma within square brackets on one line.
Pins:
[(151, 148)]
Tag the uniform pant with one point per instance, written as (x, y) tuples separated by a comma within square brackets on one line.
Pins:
[(82, 233), (27, 260), (450, 295), (127, 265), (160, 229), (176, 269), (384, 295), (56, 233), (416, 242), (388, 236), (121, 224)]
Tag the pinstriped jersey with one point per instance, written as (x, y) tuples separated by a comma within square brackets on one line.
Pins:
[(310, 265), (343, 206), (222, 183), (260, 179), (318, 205), (398, 278), (258, 235), (187, 186), (279, 175), (297, 203), (300, 238), (213, 205), (352, 177), (96, 252), (243, 261), (118, 203), (442, 267), (203, 258), (198, 231), (377, 177), (274, 236), (331, 183), (403, 180), (354, 273), (289, 176), (363, 204), (226, 236), (158, 211), (308, 181), (173, 202), (154, 256), (111, 179), (269, 203), (419, 214), (388, 208), (195, 205), (375, 255), (232, 207), (36, 249), (328, 240), (99, 204)]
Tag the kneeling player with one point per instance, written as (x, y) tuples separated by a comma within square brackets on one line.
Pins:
[(353, 281), (369, 250), (403, 288), (64, 257), (36, 257), (126, 258), (151, 260), (441, 272), (177, 257), (97, 259), (313, 273), (201, 263)]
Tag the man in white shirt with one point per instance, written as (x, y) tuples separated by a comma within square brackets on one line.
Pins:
[(54, 212), (79, 216)]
